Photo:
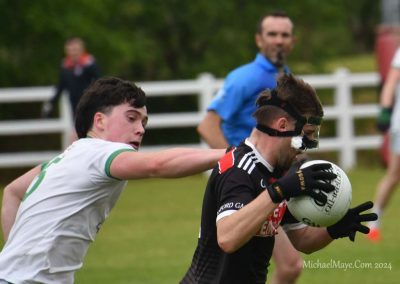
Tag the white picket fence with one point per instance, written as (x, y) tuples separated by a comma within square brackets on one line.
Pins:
[(343, 111)]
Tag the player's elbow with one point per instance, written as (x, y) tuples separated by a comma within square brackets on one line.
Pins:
[(201, 130), (226, 245), (306, 249), (7, 190), (10, 192)]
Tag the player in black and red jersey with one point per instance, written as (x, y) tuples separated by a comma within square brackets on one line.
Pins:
[(245, 198)]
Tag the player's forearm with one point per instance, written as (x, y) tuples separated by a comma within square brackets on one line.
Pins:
[(238, 228), (310, 239), (180, 162), (171, 163), (9, 210)]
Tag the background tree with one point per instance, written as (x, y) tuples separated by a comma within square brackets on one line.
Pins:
[(167, 39)]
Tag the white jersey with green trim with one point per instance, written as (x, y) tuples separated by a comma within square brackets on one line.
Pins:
[(61, 213)]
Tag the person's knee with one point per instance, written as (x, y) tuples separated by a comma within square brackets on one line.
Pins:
[(290, 270), (392, 178), (395, 178)]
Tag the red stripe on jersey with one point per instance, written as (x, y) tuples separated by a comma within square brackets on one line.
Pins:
[(270, 226), (226, 161), (272, 180)]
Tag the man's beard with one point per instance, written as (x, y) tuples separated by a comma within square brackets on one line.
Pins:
[(279, 59)]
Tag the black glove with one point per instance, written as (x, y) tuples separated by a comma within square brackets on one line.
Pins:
[(296, 165), (351, 222), (383, 121), (303, 182), (47, 109)]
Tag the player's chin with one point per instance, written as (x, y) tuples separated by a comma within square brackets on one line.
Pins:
[(135, 145), (285, 164)]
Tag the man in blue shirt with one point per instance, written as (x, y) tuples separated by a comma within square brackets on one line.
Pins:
[(229, 117), (234, 103)]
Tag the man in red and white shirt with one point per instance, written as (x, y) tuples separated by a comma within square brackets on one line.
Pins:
[(77, 71)]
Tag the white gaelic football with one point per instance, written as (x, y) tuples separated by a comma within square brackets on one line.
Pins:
[(312, 212)]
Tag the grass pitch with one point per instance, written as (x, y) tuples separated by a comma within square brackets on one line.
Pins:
[(151, 235)]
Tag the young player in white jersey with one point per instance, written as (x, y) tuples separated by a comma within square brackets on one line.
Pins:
[(53, 212)]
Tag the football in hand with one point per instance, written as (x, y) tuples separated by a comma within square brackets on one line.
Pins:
[(314, 213)]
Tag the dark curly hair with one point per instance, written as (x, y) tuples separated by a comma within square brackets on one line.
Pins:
[(101, 96), (297, 93)]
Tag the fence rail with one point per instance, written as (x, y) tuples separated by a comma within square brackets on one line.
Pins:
[(343, 111)]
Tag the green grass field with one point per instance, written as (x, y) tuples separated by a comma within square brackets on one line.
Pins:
[(151, 234)]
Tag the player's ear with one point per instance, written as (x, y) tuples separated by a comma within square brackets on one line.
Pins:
[(258, 40), (283, 124), (294, 41), (99, 120)]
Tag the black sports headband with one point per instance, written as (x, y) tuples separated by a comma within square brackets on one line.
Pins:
[(274, 100)]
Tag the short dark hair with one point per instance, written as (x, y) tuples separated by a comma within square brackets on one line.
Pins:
[(101, 96), (297, 93), (278, 13)]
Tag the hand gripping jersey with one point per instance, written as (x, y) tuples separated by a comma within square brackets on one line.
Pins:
[(241, 175), (61, 213)]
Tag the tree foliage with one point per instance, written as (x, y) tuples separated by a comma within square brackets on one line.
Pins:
[(170, 39)]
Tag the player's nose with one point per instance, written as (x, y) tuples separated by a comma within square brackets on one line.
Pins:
[(140, 130)]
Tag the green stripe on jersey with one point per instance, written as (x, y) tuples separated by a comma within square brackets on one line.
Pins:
[(112, 157)]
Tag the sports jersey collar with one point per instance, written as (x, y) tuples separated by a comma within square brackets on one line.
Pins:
[(266, 64), (259, 157)]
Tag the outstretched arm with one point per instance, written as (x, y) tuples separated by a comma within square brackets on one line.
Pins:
[(211, 132), (171, 163), (12, 197), (311, 239)]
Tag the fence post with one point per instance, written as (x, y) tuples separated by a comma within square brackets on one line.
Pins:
[(206, 82), (66, 118), (345, 128)]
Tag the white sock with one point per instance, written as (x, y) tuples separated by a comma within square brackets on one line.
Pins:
[(375, 224)]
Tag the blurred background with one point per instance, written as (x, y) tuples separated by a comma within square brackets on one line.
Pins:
[(142, 40), (169, 39)]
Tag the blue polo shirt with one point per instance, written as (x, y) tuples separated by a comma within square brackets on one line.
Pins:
[(235, 101)]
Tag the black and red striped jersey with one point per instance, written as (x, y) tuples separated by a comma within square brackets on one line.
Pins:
[(240, 176)]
